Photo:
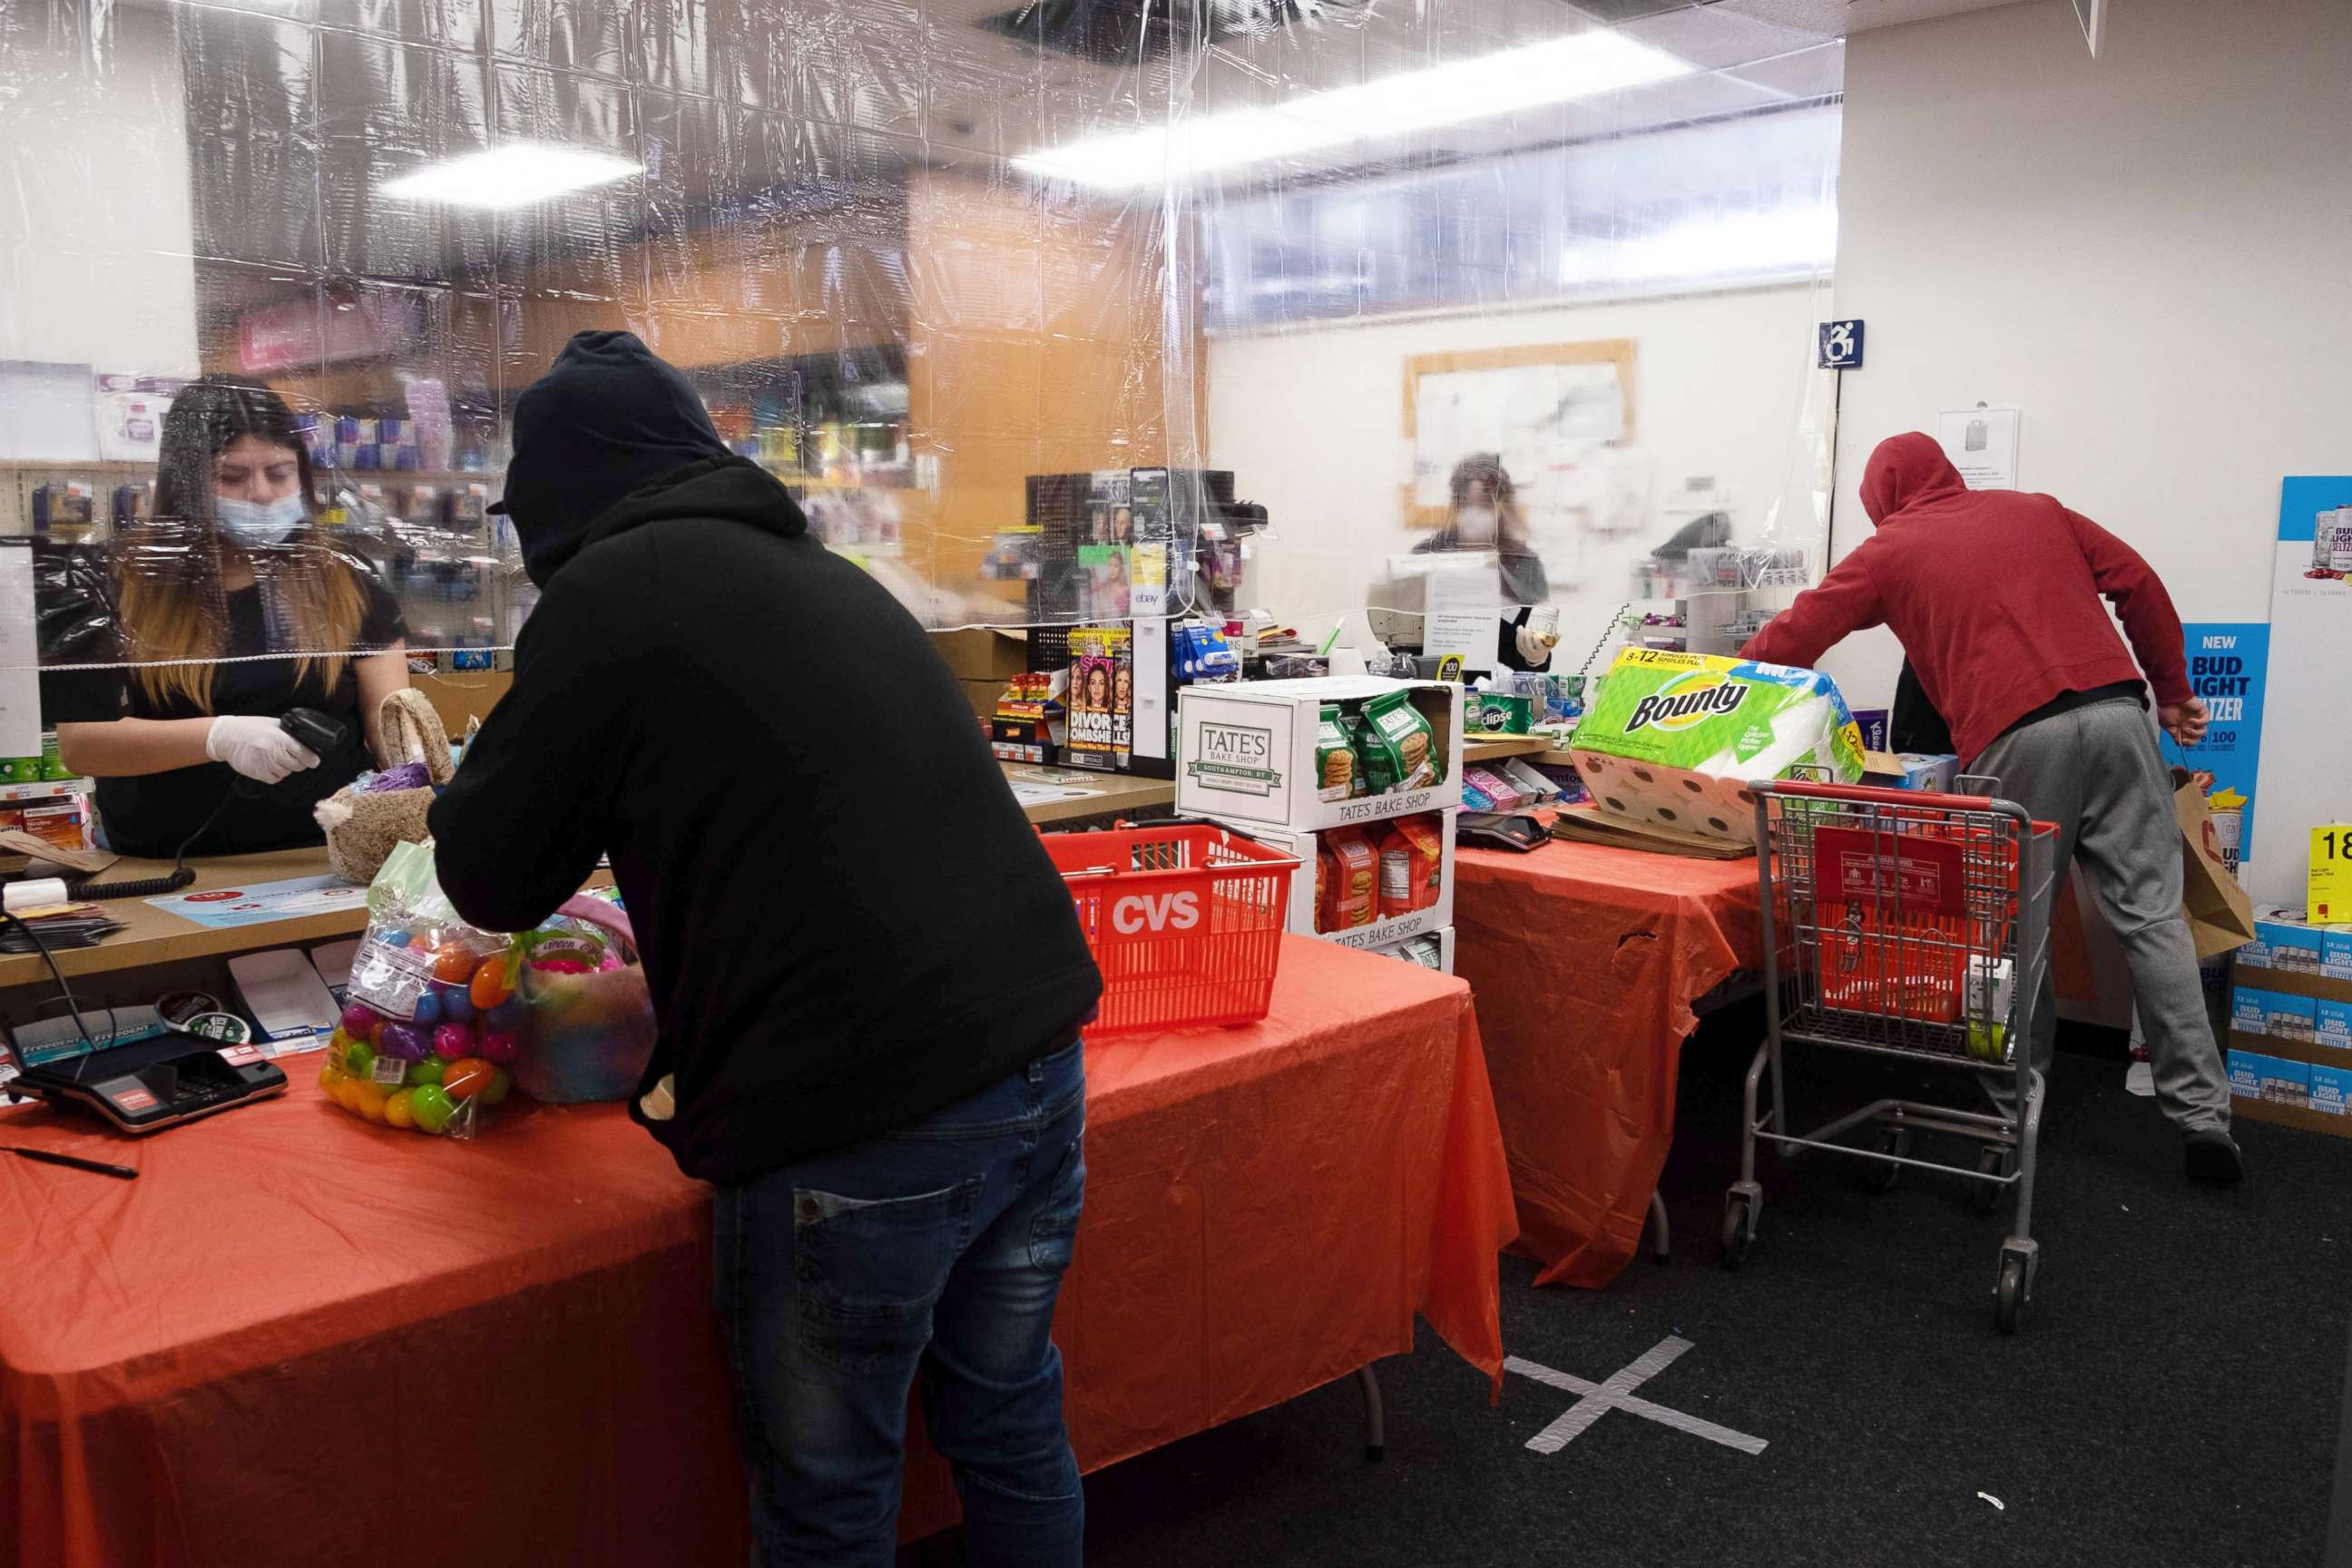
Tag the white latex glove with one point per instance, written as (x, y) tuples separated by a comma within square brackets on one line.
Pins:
[(1534, 652), (256, 748)]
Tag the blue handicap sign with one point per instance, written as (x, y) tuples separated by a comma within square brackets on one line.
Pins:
[(1841, 345)]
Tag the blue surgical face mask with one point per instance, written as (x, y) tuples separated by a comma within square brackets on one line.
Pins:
[(257, 523)]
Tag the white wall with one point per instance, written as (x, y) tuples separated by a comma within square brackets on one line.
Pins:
[(2151, 253), (96, 241), (1310, 421)]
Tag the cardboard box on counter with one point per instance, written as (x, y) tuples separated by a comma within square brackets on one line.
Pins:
[(982, 661), (1245, 753), (1388, 933), (1909, 770)]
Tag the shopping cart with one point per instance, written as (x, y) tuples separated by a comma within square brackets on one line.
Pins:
[(1916, 926)]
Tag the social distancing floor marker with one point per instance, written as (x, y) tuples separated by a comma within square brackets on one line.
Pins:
[(1598, 1399)]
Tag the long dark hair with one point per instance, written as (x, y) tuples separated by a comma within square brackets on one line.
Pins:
[(170, 573), (1487, 468), (205, 420)]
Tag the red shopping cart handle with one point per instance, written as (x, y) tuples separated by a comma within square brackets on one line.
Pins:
[(1918, 799), (1878, 794)]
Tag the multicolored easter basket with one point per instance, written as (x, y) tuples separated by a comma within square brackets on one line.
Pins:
[(589, 1030)]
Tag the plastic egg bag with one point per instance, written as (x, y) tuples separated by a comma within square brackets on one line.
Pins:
[(433, 1025)]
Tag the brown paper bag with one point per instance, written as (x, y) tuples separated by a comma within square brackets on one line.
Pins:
[(2220, 916)]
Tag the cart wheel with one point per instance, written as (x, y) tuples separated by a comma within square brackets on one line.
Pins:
[(1738, 1229), (1984, 1197), (2009, 1296), (1881, 1178)]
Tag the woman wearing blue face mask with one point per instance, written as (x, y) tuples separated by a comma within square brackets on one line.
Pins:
[(211, 621)]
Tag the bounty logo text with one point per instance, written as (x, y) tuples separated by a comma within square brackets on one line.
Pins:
[(1681, 707)]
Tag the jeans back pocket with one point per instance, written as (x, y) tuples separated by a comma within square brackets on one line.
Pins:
[(867, 1273)]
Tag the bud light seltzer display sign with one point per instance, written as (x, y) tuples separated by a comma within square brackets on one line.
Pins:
[(2228, 666)]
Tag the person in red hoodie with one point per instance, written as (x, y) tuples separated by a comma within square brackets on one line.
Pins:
[(1996, 595)]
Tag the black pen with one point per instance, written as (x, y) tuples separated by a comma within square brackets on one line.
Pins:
[(97, 1167)]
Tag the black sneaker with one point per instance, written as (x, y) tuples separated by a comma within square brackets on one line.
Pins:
[(2213, 1157)]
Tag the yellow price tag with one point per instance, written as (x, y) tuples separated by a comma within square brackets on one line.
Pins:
[(2329, 896)]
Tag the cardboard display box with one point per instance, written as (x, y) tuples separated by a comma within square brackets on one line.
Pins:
[(2284, 941), (2290, 1046), (1909, 770), (1245, 753), (1438, 916), (982, 661)]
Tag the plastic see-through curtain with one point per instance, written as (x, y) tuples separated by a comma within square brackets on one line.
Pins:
[(1512, 276)]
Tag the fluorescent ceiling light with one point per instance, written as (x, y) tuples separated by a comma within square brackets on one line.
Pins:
[(1557, 71), (513, 176)]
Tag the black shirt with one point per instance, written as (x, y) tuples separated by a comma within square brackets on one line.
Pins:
[(154, 813)]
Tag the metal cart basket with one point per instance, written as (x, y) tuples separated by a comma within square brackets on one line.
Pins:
[(1910, 925)]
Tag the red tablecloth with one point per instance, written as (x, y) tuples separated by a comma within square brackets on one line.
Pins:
[(1585, 961), (298, 1339)]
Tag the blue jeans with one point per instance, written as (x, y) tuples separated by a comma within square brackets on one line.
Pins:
[(933, 1251)]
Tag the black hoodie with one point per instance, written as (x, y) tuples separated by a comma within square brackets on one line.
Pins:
[(846, 919)]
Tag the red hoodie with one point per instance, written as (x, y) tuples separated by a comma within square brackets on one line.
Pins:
[(1995, 594)]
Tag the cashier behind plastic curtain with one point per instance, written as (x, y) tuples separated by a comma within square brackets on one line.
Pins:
[(1483, 514)]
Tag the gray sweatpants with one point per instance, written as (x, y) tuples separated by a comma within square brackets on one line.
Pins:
[(2095, 771)]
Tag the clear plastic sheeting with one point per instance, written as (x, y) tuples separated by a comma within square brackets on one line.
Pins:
[(1520, 308), (1027, 303)]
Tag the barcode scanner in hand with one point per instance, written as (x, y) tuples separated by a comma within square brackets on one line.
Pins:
[(315, 730), (323, 735)]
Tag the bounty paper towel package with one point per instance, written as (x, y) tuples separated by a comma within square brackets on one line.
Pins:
[(1674, 738)]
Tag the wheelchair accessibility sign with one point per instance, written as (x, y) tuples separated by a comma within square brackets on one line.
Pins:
[(1840, 345)]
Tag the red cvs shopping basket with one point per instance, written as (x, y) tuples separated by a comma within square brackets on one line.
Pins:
[(1185, 922)]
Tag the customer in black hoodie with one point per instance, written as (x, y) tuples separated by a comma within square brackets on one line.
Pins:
[(868, 976)]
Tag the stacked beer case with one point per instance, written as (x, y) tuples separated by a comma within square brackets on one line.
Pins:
[(2291, 1024), (1246, 758)]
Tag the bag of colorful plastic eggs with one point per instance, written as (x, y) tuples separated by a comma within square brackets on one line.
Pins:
[(432, 1026)]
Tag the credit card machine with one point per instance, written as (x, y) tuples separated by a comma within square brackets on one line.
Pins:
[(154, 1084)]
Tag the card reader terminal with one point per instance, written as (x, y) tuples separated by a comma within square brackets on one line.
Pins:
[(155, 1083)]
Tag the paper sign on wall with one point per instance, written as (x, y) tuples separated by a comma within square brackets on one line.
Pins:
[(1981, 442)]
